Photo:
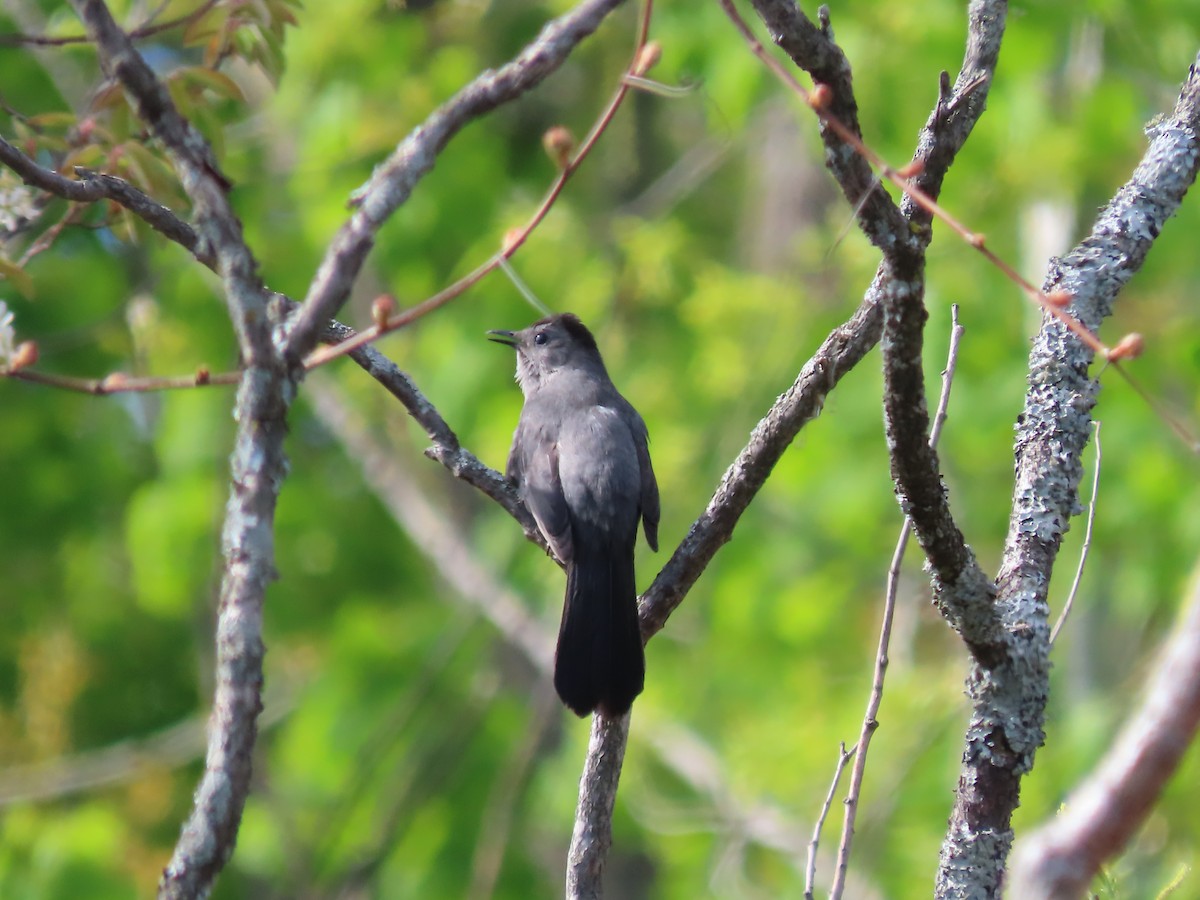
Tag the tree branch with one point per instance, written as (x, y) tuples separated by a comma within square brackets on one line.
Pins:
[(813, 49), (1008, 693), (258, 467), (875, 700), (798, 405), (802, 402), (961, 590), (592, 836), (94, 186), (393, 181)]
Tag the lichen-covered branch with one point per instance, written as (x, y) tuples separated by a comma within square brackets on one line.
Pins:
[(258, 467), (1008, 690)]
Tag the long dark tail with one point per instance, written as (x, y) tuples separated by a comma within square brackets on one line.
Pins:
[(600, 663)]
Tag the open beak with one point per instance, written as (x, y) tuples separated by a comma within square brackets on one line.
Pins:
[(503, 337)]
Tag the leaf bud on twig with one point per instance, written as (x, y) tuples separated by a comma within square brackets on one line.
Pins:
[(559, 144)]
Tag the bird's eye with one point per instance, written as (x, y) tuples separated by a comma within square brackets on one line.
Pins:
[(539, 338)]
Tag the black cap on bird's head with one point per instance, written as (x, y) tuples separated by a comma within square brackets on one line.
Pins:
[(548, 345)]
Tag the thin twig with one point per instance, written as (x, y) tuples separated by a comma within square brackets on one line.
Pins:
[(120, 383), (810, 869), (524, 289), (1087, 540), (870, 722)]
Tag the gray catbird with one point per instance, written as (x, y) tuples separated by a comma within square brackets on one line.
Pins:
[(580, 460)]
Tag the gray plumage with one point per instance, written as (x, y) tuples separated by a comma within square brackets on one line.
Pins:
[(581, 461)]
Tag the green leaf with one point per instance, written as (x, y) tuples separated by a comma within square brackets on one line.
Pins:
[(216, 81)]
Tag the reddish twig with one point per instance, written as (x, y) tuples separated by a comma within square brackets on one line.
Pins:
[(119, 382), (515, 238), (817, 100)]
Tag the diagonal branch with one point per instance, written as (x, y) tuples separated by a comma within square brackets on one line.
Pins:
[(1103, 814), (813, 49), (841, 351), (393, 181), (1008, 693), (93, 186)]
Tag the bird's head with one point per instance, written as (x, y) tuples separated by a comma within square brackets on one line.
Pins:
[(549, 346)]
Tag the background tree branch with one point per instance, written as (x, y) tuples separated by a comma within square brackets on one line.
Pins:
[(1104, 813)]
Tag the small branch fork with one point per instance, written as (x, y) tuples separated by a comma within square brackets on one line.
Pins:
[(821, 98)]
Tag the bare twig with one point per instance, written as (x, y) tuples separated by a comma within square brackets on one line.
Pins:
[(1059, 860), (93, 186), (870, 721), (810, 868), (120, 383), (1087, 540), (512, 241)]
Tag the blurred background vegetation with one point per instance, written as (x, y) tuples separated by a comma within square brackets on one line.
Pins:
[(407, 747)]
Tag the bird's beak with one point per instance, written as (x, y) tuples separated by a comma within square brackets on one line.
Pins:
[(503, 337)]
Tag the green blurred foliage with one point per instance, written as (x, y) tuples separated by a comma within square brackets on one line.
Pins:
[(398, 718)]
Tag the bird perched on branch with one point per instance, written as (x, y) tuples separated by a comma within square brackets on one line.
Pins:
[(581, 462)]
